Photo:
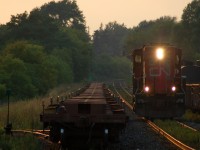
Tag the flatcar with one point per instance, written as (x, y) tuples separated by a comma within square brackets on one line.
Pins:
[(158, 87), (91, 118)]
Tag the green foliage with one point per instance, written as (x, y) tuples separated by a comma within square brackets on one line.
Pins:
[(70, 15), (19, 143), (110, 40), (107, 68), (2, 90), (25, 51), (15, 77), (57, 49), (185, 135), (155, 31), (108, 51), (28, 71), (191, 116), (25, 115), (190, 29)]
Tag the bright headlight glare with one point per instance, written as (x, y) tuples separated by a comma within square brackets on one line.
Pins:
[(146, 89), (173, 88), (160, 53)]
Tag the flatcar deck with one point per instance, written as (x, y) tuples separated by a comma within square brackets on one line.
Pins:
[(92, 115), (95, 103), (93, 95)]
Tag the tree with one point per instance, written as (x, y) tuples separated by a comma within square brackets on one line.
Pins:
[(155, 31), (57, 49), (108, 68), (110, 40), (66, 12), (15, 77), (191, 23), (36, 27), (25, 51)]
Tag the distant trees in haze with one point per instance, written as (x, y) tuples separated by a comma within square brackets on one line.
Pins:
[(184, 34), (109, 60), (51, 46), (190, 25), (115, 39), (110, 39), (155, 31)]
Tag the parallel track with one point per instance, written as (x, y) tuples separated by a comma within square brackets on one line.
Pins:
[(155, 127), (186, 126), (41, 135)]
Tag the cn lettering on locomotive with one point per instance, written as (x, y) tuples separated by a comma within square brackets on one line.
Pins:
[(157, 82), (158, 71)]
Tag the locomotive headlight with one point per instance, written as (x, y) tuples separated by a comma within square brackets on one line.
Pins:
[(173, 88), (146, 89), (160, 53)]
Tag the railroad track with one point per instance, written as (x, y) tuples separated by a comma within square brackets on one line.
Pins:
[(131, 138), (186, 126), (42, 135), (88, 118), (153, 125)]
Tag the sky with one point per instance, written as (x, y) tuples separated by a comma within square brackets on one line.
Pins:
[(129, 12)]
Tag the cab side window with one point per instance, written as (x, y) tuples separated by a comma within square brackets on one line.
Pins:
[(138, 59)]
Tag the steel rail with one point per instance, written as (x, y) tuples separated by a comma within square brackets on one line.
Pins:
[(125, 90), (37, 133), (122, 99), (176, 142), (169, 137), (41, 136), (186, 126)]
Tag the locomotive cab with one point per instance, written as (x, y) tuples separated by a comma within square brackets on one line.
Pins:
[(157, 83)]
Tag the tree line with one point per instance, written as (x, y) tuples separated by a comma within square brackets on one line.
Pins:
[(42, 49), (51, 46), (116, 40)]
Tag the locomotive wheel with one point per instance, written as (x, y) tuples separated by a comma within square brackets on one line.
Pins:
[(55, 134)]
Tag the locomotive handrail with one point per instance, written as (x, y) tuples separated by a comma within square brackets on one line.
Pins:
[(138, 80)]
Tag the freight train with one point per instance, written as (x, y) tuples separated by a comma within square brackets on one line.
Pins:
[(158, 86), (91, 118)]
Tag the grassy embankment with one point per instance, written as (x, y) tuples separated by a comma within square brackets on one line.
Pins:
[(25, 115), (185, 135), (191, 116)]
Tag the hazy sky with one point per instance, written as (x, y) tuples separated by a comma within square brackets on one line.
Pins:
[(129, 12)]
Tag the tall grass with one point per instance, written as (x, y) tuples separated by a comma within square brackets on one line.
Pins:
[(26, 115), (19, 143), (23, 114), (191, 116)]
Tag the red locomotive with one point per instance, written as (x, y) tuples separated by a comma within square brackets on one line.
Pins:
[(158, 87)]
